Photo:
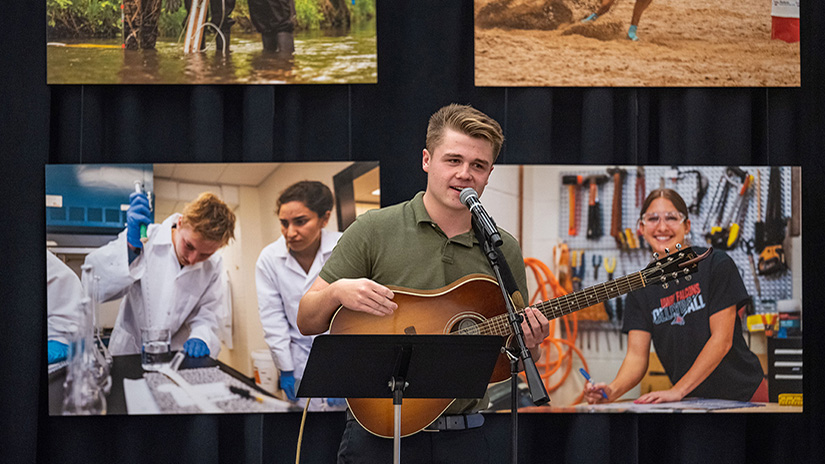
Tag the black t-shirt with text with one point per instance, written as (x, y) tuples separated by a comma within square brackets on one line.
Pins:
[(678, 319)]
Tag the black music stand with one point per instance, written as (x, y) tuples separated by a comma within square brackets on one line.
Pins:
[(395, 366)]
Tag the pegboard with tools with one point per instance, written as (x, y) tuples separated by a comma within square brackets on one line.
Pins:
[(728, 208)]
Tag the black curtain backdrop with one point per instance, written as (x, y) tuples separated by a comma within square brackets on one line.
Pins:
[(425, 61)]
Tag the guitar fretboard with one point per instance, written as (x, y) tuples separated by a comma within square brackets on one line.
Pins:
[(665, 269), (563, 305)]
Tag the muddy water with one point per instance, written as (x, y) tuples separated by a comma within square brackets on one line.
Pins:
[(326, 57)]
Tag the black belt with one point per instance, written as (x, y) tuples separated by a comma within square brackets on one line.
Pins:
[(457, 422)]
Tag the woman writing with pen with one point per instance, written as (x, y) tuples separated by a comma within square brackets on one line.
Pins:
[(693, 324)]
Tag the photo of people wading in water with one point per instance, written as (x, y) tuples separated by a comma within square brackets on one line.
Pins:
[(211, 42), (637, 43)]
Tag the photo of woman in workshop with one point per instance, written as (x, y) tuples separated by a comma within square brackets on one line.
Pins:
[(693, 324)]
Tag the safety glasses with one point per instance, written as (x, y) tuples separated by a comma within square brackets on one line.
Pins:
[(671, 218)]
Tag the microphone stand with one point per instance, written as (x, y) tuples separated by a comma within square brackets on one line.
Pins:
[(518, 352)]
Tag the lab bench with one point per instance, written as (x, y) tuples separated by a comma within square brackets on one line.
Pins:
[(129, 367)]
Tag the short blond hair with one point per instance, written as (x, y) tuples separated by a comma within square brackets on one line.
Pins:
[(468, 121), (211, 218)]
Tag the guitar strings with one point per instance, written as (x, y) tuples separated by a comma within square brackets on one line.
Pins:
[(569, 303)]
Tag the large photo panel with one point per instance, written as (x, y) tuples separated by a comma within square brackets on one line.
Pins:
[(579, 227), (240, 301), (585, 231), (211, 42), (637, 43)]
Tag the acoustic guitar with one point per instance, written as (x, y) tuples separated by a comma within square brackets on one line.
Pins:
[(473, 305)]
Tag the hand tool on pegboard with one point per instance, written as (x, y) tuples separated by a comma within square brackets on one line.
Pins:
[(640, 186), (717, 234), (573, 183), (725, 234), (701, 189), (594, 217), (596, 312), (561, 257), (770, 238), (618, 175), (735, 227), (597, 261), (749, 249), (609, 267), (630, 238), (796, 201), (577, 268), (722, 187)]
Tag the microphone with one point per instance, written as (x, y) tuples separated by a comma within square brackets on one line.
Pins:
[(469, 198)]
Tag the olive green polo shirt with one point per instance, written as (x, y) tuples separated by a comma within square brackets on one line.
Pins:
[(401, 245)]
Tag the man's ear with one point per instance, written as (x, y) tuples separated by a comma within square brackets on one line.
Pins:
[(426, 158)]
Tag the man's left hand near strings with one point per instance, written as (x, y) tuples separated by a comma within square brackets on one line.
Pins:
[(535, 326)]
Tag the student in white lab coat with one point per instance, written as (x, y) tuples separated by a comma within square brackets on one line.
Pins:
[(285, 270), (63, 293), (171, 281)]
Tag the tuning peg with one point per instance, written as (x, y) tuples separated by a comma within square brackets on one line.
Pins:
[(665, 285), (678, 246), (688, 277), (667, 251), (656, 255)]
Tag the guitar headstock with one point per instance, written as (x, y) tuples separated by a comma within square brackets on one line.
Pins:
[(681, 263)]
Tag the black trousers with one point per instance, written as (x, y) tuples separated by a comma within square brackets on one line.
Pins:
[(272, 16), (447, 447)]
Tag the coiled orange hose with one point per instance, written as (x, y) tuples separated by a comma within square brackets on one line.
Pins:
[(548, 288)]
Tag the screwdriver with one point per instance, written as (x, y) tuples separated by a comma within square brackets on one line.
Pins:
[(733, 233)]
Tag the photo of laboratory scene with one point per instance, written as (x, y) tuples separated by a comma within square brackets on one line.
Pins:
[(174, 288)]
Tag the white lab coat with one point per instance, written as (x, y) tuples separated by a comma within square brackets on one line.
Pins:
[(158, 292), (281, 282), (63, 293)]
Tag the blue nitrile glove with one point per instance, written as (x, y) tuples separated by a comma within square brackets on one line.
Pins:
[(57, 351), (196, 348), (336, 402), (287, 382), (137, 215)]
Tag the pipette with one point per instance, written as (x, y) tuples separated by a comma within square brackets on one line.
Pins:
[(139, 189)]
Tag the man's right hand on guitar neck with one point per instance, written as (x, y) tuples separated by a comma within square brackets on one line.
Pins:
[(323, 299)]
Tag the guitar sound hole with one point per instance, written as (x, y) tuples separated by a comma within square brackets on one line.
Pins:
[(467, 326)]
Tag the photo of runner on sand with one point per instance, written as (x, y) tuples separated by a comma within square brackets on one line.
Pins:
[(634, 43)]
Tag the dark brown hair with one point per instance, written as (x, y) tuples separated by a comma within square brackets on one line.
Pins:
[(667, 194), (316, 196)]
